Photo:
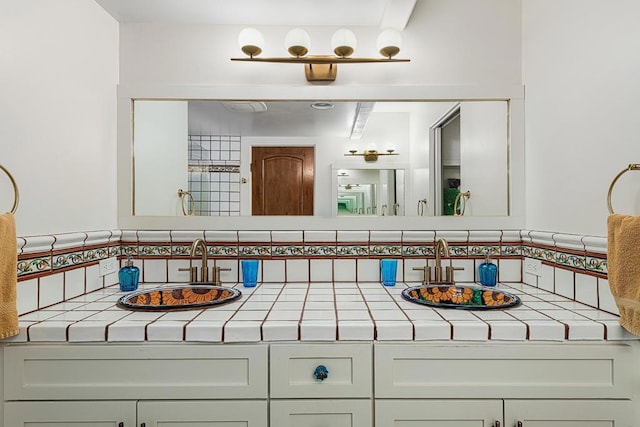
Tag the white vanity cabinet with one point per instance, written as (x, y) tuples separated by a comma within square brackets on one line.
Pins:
[(321, 385), (66, 413), (329, 384), (569, 413), (495, 385), (131, 385), (156, 413), (489, 412)]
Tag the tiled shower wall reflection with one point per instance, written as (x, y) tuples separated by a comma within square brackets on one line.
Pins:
[(214, 174), (52, 269)]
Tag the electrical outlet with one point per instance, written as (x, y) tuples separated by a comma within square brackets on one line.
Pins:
[(108, 266), (533, 266)]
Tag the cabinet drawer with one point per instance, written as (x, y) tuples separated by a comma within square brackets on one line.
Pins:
[(348, 370), (321, 413), (62, 372), (515, 370)]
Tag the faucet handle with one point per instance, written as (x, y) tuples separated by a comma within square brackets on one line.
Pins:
[(193, 273), (216, 274), (427, 274), (449, 271)]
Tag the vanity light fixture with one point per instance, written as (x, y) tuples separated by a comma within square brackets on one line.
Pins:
[(371, 155), (320, 68)]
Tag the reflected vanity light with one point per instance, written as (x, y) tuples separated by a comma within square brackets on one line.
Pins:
[(371, 155), (320, 68)]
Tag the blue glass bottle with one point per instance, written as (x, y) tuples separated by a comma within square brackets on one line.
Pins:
[(128, 276), (488, 273)]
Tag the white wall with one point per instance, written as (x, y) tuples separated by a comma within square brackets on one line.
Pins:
[(581, 71), (58, 77), (449, 42)]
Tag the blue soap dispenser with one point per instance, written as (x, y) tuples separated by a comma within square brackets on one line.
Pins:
[(488, 272), (128, 276)]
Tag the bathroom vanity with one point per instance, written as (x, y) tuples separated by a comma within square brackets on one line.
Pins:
[(219, 367), (368, 383)]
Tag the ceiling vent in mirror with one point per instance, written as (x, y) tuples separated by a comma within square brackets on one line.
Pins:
[(245, 106), (360, 119)]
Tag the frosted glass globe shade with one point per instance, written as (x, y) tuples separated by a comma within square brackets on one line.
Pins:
[(251, 41), (297, 42), (389, 43), (343, 42)]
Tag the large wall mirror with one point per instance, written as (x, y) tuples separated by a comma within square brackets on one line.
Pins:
[(193, 158)]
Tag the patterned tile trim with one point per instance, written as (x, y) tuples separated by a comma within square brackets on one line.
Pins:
[(34, 265), (77, 253)]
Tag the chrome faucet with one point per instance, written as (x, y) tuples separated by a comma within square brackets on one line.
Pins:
[(199, 243)]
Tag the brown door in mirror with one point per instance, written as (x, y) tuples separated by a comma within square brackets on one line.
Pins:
[(282, 180)]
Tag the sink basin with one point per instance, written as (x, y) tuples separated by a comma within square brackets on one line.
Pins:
[(461, 297), (179, 297)]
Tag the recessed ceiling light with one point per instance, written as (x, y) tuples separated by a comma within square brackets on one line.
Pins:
[(322, 105)]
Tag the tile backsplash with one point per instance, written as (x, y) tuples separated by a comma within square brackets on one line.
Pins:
[(55, 268)]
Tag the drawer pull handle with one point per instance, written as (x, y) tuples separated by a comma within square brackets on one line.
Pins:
[(321, 373), (121, 424), (519, 424), (497, 424)]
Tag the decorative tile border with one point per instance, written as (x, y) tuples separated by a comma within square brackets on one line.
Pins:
[(34, 265), (42, 255)]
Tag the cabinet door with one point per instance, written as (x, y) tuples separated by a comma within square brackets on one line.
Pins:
[(321, 413), (63, 414), (568, 413), (203, 413), (438, 413)]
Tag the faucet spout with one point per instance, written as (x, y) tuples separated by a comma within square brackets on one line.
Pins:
[(441, 249), (200, 244)]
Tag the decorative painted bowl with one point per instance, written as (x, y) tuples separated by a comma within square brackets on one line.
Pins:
[(180, 297), (461, 297)]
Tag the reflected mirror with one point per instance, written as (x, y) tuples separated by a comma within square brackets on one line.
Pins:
[(369, 192), (194, 158)]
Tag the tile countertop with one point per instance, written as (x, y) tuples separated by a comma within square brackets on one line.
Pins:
[(321, 312)]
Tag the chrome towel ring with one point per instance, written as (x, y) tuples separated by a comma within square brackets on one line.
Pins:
[(631, 167), (16, 198)]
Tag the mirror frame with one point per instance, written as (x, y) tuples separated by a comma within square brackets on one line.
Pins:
[(514, 94)]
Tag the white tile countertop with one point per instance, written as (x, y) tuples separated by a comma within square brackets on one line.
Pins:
[(321, 312)]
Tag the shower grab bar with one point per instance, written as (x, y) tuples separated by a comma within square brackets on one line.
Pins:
[(631, 167), (16, 193)]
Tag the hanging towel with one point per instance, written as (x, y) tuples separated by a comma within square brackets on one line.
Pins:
[(8, 277), (623, 265)]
